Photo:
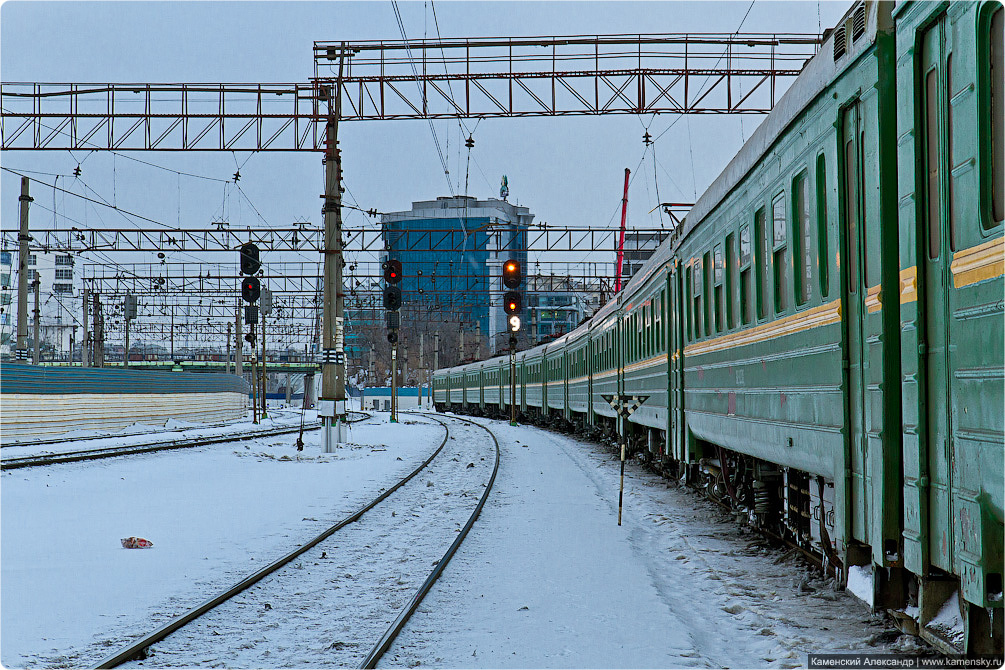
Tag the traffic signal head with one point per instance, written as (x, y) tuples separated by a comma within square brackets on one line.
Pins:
[(250, 289), (512, 303), (250, 316), (392, 297), (392, 271), (250, 263), (130, 307), (511, 273), (392, 336)]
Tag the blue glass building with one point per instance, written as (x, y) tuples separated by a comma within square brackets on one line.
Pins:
[(452, 250)]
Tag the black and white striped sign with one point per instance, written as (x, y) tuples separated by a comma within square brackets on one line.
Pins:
[(626, 406)]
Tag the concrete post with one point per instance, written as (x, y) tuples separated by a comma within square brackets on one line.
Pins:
[(265, 410), (99, 333), (21, 348), (436, 351), (229, 328), (172, 333), (36, 284), (331, 407), (125, 352), (85, 359), (239, 343)]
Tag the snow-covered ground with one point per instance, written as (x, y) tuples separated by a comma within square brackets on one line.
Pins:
[(546, 577), (214, 514), (172, 431)]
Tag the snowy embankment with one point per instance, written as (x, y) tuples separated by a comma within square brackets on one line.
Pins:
[(138, 434), (214, 514)]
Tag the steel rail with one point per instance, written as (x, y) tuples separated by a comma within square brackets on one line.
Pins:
[(135, 649), (147, 447), (392, 632)]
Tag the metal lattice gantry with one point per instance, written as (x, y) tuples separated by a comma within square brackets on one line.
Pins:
[(418, 79), (703, 73), (540, 238)]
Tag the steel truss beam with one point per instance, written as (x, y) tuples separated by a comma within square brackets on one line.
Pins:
[(539, 239), (452, 78)]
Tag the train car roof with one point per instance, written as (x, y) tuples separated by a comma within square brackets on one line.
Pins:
[(817, 74)]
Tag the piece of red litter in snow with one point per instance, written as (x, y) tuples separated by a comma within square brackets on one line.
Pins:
[(136, 543)]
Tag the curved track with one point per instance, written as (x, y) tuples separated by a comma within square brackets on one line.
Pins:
[(138, 649), (109, 452)]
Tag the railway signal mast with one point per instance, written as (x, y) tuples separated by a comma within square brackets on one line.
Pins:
[(251, 289), (392, 303), (513, 305)]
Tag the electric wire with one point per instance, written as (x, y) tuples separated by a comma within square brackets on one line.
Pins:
[(422, 95)]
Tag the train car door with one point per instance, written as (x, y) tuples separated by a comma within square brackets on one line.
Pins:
[(676, 355), (852, 257), (935, 255)]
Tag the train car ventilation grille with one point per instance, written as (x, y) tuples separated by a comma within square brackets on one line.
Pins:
[(839, 42), (858, 23)]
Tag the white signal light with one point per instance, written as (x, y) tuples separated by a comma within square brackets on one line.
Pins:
[(514, 323)]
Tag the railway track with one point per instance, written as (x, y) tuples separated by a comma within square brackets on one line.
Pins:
[(389, 552), (52, 458)]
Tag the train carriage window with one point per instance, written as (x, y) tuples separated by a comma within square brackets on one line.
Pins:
[(690, 302), (804, 249), (719, 276), (823, 261), (730, 271), (706, 267), (996, 120), (779, 251), (761, 241), (746, 286)]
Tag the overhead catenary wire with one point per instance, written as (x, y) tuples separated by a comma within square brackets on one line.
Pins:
[(415, 73)]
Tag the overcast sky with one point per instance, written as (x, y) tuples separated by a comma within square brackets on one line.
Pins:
[(569, 171)]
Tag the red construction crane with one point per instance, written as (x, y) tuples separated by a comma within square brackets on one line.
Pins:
[(621, 237)]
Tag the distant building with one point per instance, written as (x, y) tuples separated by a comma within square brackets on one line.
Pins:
[(59, 286), (452, 250), (639, 247)]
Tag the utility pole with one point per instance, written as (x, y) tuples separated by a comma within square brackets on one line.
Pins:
[(394, 382), (254, 385), (172, 333), (36, 284), (85, 338), (331, 408), (99, 333), (125, 317), (436, 351), (229, 328), (21, 350), (239, 343), (404, 366), (265, 411)]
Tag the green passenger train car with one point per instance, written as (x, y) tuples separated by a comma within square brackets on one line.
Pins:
[(822, 341)]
